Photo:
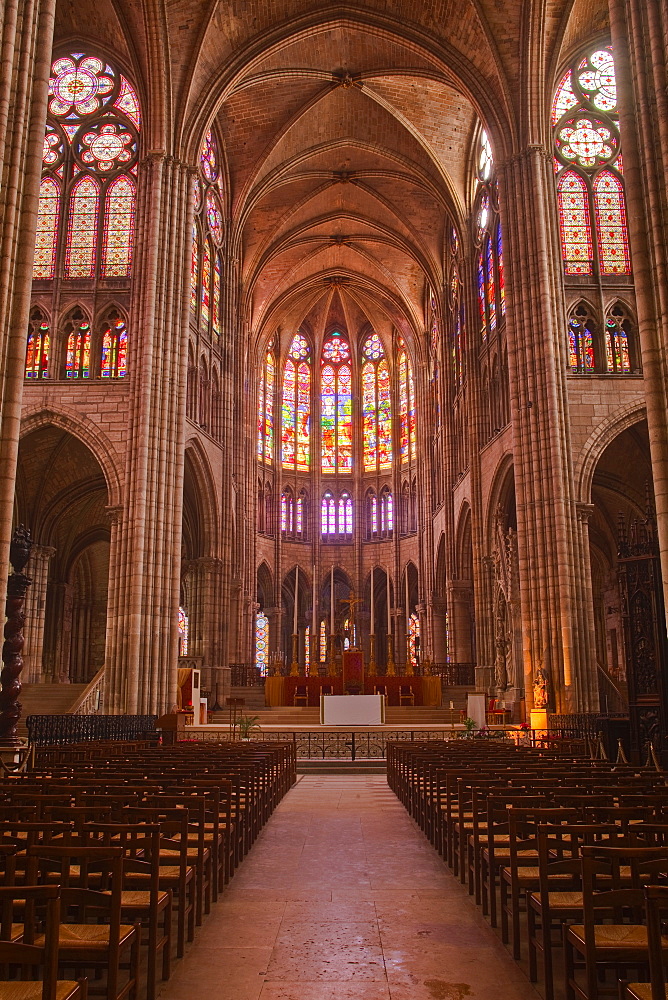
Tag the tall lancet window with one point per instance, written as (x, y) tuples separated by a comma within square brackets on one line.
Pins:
[(296, 409), (207, 237), (407, 419), (376, 407), (336, 422), (265, 410), (589, 171)]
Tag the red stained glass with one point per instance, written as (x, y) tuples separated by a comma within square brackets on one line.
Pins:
[(581, 343), (289, 400), (194, 273), (79, 85), (214, 216), (575, 224), (328, 418), (82, 229), (77, 360), (261, 642), (344, 420), (490, 285), (564, 98), (303, 417), (481, 297), (266, 402), (119, 229), (47, 229), (205, 305), (215, 299), (37, 351), (114, 350), (369, 416), (296, 409), (617, 343), (128, 103), (502, 278), (336, 407), (209, 157), (613, 244)]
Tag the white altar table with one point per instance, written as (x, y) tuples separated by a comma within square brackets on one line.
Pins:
[(352, 710)]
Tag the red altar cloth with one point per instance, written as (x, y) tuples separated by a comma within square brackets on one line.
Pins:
[(281, 690)]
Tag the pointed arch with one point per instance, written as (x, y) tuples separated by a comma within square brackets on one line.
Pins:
[(81, 250), (38, 348), (611, 229), (76, 330), (575, 224), (114, 345), (119, 228), (48, 216)]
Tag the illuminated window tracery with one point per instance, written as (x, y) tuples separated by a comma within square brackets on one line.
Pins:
[(266, 403), (206, 263)]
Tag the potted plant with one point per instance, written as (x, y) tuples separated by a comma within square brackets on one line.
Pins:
[(469, 726), (247, 724)]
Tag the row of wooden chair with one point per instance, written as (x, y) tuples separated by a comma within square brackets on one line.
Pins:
[(528, 831), (129, 839)]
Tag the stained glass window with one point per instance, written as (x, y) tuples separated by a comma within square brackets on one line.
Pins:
[(386, 512), (205, 303), (77, 359), (580, 341), (265, 420), (575, 224), (119, 229), (323, 641), (485, 158), (214, 216), (617, 357), (209, 157), (372, 513), (588, 165), (215, 298), (414, 638), (613, 244), (490, 284), (345, 514), (407, 422), (336, 406), (502, 278), (336, 516), (82, 231), (300, 515), (93, 122), (183, 632), (376, 407), (47, 229), (481, 297), (296, 408), (37, 352), (114, 349), (194, 273), (287, 512), (261, 642)]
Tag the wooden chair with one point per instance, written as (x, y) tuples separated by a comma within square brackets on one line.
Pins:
[(656, 904), (301, 696), (28, 955), (406, 696), (83, 943), (603, 946)]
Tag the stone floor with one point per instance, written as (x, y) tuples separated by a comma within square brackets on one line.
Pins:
[(342, 898)]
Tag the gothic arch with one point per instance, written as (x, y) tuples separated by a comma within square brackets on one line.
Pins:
[(197, 461), (88, 433), (502, 480), (598, 441)]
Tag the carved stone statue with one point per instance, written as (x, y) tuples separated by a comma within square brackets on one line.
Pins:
[(540, 688)]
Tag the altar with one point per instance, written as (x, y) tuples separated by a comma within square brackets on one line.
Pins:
[(352, 710), (281, 690)]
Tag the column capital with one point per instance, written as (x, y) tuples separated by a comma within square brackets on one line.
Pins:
[(584, 512), (114, 513)]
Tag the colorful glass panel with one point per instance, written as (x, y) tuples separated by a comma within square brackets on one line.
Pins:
[(205, 302), (114, 350), (119, 229), (581, 344), (214, 216), (502, 277), (617, 345), (82, 229), (215, 298), (261, 642), (209, 157), (387, 512), (37, 352), (345, 514), (79, 86), (128, 103), (384, 417), (490, 284), (288, 414), (613, 244), (344, 420), (564, 99), (575, 224), (47, 229), (481, 297), (370, 451), (323, 641), (485, 158), (299, 516), (107, 146), (336, 350), (598, 81), (77, 359), (303, 417), (328, 418), (373, 513), (286, 512), (414, 638), (270, 379), (194, 273), (403, 407)]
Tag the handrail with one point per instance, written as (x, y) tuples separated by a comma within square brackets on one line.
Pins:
[(89, 701), (618, 689)]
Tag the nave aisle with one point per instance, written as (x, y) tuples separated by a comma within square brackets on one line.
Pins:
[(342, 898)]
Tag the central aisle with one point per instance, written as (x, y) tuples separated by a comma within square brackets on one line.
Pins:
[(342, 898)]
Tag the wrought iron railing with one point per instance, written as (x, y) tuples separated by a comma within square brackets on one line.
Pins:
[(246, 675), (58, 730), (455, 674)]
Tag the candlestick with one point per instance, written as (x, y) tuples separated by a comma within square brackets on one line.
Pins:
[(389, 610), (372, 630), (331, 603), (315, 656)]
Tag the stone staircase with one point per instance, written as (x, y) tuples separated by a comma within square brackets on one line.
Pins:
[(47, 699)]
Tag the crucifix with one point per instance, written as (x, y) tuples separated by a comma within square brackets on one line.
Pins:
[(352, 603)]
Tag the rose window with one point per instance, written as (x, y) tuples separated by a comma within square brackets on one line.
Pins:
[(598, 81), (78, 87), (336, 350), (588, 143), (107, 146)]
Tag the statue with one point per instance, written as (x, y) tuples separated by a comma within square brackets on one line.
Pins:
[(540, 688)]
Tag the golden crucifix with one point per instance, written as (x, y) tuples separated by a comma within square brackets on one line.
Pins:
[(352, 603)]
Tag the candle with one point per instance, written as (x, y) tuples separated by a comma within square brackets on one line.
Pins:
[(389, 609), (373, 625), (294, 624), (452, 705), (408, 613), (331, 603)]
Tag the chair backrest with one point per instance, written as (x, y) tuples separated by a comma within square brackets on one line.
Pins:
[(31, 900), (656, 904)]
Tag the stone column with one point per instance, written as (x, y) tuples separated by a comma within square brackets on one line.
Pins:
[(639, 32), (142, 635), (438, 609), (26, 38), (460, 606), (38, 571), (555, 612)]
